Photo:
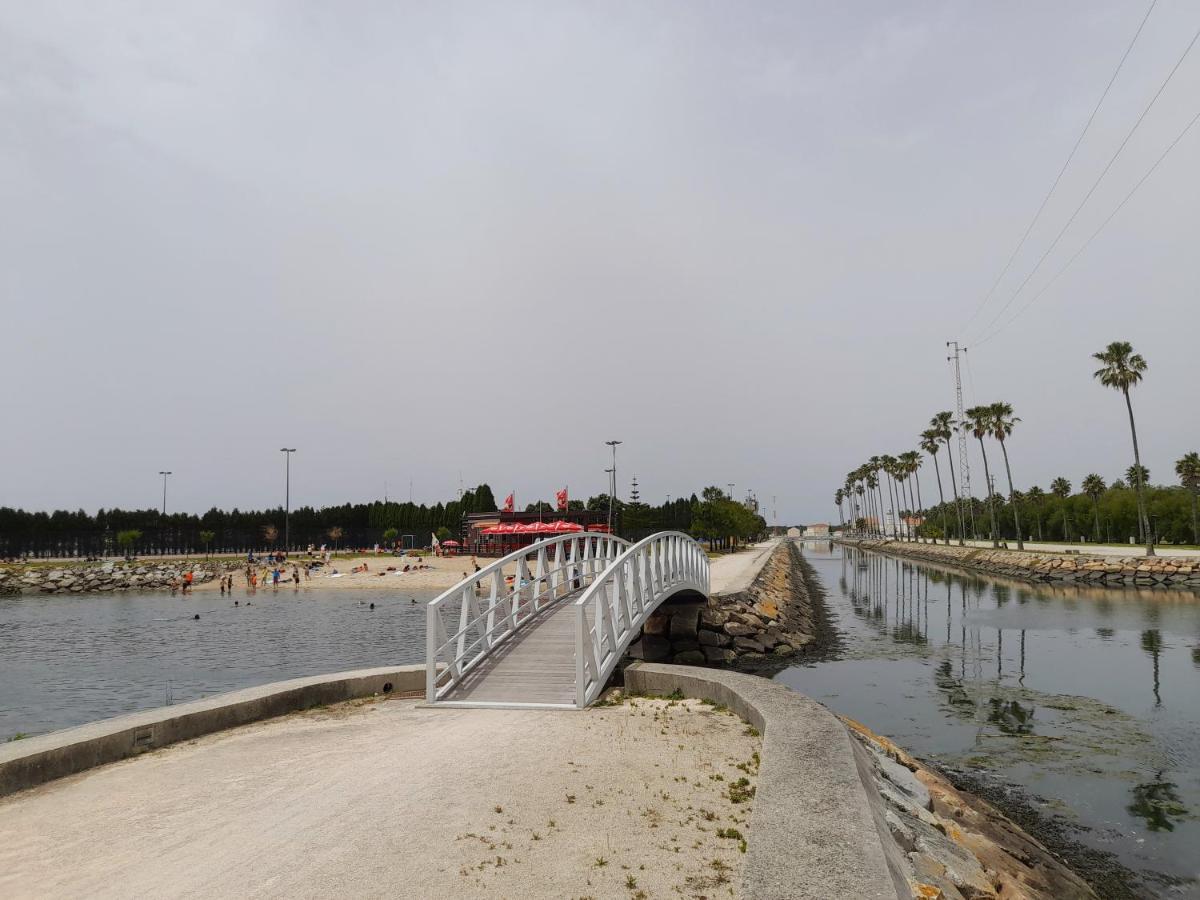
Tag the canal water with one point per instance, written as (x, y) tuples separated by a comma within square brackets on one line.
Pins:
[(67, 659), (1086, 699)]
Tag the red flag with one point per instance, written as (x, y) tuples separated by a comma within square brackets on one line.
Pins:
[(561, 497), (508, 503)]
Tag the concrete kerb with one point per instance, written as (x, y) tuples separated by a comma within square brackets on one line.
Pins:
[(815, 830), (33, 761)]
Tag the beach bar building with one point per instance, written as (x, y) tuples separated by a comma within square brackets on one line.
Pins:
[(500, 533)]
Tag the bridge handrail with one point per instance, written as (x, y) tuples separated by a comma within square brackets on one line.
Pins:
[(496, 615), (623, 596)]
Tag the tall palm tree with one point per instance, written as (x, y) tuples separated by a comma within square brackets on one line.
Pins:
[(911, 461), (1035, 495), (1093, 485), (942, 423), (1003, 422), (872, 482), (1187, 467), (1121, 370), (838, 496), (979, 420), (1061, 488), (888, 465), (930, 444)]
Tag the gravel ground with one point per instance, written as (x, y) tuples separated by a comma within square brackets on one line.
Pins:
[(374, 799)]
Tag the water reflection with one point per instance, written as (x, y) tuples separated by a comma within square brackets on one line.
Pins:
[(1087, 696)]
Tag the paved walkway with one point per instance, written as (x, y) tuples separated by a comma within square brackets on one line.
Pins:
[(390, 799), (1091, 549), (734, 572)]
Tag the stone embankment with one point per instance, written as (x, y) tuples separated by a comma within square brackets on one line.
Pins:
[(90, 578), (771, 619), (951, 845), (1140, 571)]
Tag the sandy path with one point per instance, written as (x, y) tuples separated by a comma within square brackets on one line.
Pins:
[(388, 799)]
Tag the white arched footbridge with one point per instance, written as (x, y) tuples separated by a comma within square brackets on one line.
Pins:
[(551, 633)]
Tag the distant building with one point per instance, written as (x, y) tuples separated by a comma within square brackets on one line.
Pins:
[(793, 532), (821, 529)]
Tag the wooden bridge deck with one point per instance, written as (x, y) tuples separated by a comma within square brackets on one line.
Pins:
[(536, 666)]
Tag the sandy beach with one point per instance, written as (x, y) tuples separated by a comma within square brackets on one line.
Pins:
[(437, 573)]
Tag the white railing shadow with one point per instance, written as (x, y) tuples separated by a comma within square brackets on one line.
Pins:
[(466, 623), (611, 612)]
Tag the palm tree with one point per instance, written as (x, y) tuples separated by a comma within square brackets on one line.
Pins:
[(1093, 485), (1187, 467), (911, 460), (1035, 495), (942, 424), (1061, 488), (930, 444), (1003, 422), (876, 464), (979, 420), (838, 496), (1122, 369), (1134, 472)]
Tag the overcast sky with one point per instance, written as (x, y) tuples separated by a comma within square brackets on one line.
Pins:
[(414, 239)]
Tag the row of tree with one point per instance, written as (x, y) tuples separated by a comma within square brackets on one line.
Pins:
[(1102, 512), (715, 518), (148, 531)]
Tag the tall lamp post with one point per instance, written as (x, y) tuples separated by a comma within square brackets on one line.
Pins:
[(613, 488), (164, 475), (287, 492), (162, 528)]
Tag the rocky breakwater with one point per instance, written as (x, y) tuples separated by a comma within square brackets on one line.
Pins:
[(771, 620), (89, 578), (1139, 571), (951, 845)]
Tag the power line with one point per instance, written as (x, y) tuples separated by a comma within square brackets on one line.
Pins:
[(1179, 137), (1070, 156), (1096, 183)]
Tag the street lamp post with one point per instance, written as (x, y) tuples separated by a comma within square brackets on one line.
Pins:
[(613, 490), (287, 492), (164, 475), (162, 528)]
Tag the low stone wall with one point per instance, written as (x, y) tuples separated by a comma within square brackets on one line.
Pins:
[(1141, 571), (773, 617), (79, 578), (33, 761)]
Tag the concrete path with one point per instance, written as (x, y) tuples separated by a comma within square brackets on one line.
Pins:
[(734, 572), (1092, 549), (391, 799)]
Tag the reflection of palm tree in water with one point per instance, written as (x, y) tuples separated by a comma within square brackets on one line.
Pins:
[(1152, 644), (1156, 803)]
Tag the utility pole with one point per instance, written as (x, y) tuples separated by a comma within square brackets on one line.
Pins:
[(287, 492), (612, 483), (729, 484), (164, 475), (964, 465)]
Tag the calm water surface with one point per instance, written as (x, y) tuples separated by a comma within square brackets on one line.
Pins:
[(70, 659), (1088, 698)]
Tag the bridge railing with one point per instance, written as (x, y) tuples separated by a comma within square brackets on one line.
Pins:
[(464, 624), (611, 612)]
